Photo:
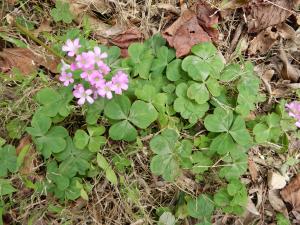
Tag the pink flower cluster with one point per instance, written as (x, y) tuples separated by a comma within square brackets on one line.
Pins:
[(294, 111), (94, 71)]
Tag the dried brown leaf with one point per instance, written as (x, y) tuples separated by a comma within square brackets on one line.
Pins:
[(291, 193), (276, 181), (252, 170), (251, 214), (28, 165), (286, 31), (184, 33), (262, 14), (276, 202), (26, 60), (288, 72), (207, 18), (44, 27), (126, 38), (263, 41)]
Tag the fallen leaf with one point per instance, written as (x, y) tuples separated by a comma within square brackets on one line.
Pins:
[(276, 202), (208, 18), (233, 4), (194, 26), (26, 60), (261, 14), (168, 7), (286, 31), (184, 33), (28, 164), (276, 181), (252, 170), (263, 42), (127, 37), (44, 27), (291, 193), (288, 72), (251, 213)]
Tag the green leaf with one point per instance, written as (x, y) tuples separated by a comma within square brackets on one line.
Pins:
[(165, 163), (174, 70), (111, 176), (190, 110), (220, 121), (201, 162), (167, 218), (74, 160), (198, 92), (2, 141), (6, 188), (185, 148), (94, 111), (95, 143), (197, 69), (8, 160), (222, 144), (146, 93), (122, 131), (202, 207), (261, 132), (22, 154), (81, 139), (239, 132), (164, 56), (142, 114), (109, 173), (118, 108), (55, 102), (52, 142), (213, 87), (282, 220), (204, 50), (40, 125), (15, 128), (96, 130), (61, 12), (234, 169), (231, 72)]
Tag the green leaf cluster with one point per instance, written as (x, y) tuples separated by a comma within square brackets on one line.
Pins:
[(125, 115), (62, 12), (233, 198)]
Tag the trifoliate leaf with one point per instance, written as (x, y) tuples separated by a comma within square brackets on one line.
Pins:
[(118, 108), (81, 139), (202, 207), (122, 131), (61, 12), (220, 121), (174, 70), (198, 92), (8, 160), (204, 50)]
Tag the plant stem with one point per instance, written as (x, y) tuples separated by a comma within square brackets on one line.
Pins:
[(35, 39)]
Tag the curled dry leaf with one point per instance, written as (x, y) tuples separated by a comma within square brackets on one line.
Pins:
[(276, 202), (291, 193), (252, 170), (251, 214), (127, 37), (261, 14), (288, 72), (28, 164), (26, 60), (44, 27), (276, 181), (194, 26), (263, 42)]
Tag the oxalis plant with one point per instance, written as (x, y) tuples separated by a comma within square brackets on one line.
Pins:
[(193, 110)]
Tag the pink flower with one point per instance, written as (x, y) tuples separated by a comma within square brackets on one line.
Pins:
[(73, 66), (105, 90), (88, 72), (96, 79), (98, 55), (294, 111), (71, 47), (119, 82), (82, 94), (103, 68), (66, 78), (85, 60)]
